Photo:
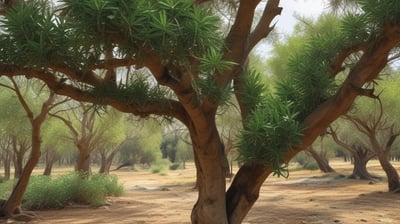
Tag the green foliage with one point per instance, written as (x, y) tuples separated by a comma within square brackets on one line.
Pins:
[(253, 90), (379, 12), (270, 131), (6, 188), (35, 36), (175, 29), (45, 192), (309, 82), (138, 92)]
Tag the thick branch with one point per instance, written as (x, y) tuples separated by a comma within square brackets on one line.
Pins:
[(336, 66), (264, 27)]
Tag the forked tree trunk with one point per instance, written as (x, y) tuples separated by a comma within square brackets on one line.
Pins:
[(106, 163), (360, 160), (50, 159), (391, 172)]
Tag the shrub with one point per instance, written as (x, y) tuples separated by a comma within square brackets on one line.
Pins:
[(43, 192), (6, 188), (160, 166)]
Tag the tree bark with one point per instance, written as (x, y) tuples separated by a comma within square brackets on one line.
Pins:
[(83, 161), (210, 207)]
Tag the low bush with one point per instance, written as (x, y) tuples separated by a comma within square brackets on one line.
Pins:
[(44, 192), (160, 166)]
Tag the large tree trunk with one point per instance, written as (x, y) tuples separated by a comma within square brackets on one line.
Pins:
[(210, 207), (322, 162), (83, 161), (391, 172)]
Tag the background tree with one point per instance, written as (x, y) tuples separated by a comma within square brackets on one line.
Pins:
[(113, 125), (193, 68), (11, 206)]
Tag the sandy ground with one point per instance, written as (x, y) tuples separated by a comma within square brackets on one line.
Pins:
[(306, 197)]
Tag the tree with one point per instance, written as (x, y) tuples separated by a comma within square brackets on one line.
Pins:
[(193, 67), (11, 206), (360, 154), (113, 127), (55, 144)]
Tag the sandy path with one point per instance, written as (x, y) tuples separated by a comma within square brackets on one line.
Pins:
[(306, 197)]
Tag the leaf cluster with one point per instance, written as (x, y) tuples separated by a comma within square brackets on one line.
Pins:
[(380, 11), (137, 92), (175, 29), (34, 36), (309, 82), (270, 131)]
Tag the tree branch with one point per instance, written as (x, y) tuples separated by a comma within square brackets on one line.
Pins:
[(263, 27)]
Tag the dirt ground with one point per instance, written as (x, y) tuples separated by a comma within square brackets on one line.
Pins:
[(306, 197)]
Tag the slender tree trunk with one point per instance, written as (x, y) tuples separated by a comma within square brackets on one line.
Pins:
[(7, 164), (391, 172), (106, 163), (50, 159), (322, 162), (13, 203), (18, 163)]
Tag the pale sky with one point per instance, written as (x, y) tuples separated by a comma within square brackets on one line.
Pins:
[(286, 21), (306, 8)]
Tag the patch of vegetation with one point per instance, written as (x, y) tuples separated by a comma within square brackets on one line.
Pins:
[(160, 166), (6, 188), (45, 192)]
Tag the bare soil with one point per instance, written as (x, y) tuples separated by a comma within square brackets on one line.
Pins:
[(305, 197)]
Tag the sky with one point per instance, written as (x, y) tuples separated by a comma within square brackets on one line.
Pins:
[(306, 8), (286, 21)]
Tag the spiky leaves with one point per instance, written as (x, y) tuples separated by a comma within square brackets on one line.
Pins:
[(380, 12), (175, 29), (270, 130), (33, 36)]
